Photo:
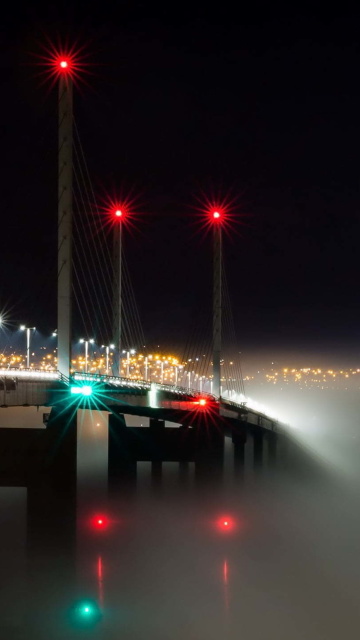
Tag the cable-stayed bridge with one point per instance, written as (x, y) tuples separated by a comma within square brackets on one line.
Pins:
[(87, 264)]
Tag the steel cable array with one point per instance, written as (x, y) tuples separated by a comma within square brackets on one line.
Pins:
[(93, 265)]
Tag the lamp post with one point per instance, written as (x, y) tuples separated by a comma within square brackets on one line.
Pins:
[(132, 352), (86, 343), (27, 329), (107, 351)]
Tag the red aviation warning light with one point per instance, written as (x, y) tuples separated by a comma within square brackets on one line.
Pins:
[(216, 215), (64, 65), (118, 213)]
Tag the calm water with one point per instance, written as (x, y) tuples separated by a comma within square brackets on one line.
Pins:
[(163, 565)]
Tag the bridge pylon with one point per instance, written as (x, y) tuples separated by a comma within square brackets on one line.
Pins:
[(217, 302), (65, 214)]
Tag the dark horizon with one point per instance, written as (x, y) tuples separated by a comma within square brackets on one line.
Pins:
[(258, 107)]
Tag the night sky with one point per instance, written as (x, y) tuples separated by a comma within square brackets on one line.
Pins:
[(260, 106)]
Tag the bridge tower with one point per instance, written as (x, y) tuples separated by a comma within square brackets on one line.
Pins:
[(217, 304), (119, 213), (65, 212)]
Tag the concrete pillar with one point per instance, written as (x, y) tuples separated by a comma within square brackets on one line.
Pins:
[(121, 458), (272, 447), (61, 458), (156, 473), (183, 471), (258, 448), (239, 441)]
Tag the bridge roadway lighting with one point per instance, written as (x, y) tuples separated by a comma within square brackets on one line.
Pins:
[(86, 343), (132, 352), (27, 329), (107, 351)]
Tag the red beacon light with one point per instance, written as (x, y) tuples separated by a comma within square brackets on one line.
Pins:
[(202, 402), (216, 215), (118, 213), (64, 65)]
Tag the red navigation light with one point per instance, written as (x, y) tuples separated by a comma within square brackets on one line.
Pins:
[(216, 215), (118, 213), (67, 63), (202, 402), (64, 65)]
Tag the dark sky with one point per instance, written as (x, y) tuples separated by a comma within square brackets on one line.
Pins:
[(258, 105)]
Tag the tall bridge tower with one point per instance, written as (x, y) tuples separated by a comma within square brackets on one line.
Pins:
[(217, 302), (65, 214)]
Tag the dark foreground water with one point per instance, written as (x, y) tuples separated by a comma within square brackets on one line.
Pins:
[(260, 554)]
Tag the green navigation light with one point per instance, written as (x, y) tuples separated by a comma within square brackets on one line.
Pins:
[(85, 390)]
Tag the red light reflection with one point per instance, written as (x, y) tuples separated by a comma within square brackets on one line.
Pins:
[(99, 522), (225, 524)]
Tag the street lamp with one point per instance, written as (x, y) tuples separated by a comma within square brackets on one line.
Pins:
[(27, 329), (86, 343), (107, 351), (132, 352)]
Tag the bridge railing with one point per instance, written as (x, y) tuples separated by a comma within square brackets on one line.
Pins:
[(139, 382)]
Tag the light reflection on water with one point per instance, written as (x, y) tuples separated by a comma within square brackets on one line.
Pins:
[(160, 566)]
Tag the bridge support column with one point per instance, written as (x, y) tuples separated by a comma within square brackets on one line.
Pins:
[(183, 471), (209, 458), (272, 447), (239, 441), (156, 473), (258, 448), (121, 461), (61, 461)]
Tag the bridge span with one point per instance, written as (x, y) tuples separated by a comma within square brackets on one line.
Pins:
[(183, 425)]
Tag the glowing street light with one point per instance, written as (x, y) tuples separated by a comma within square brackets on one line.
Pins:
[(107, 351), (128, 353), (27, 329), (86, 343)]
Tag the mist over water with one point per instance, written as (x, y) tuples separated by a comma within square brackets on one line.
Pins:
[(165, 566)]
